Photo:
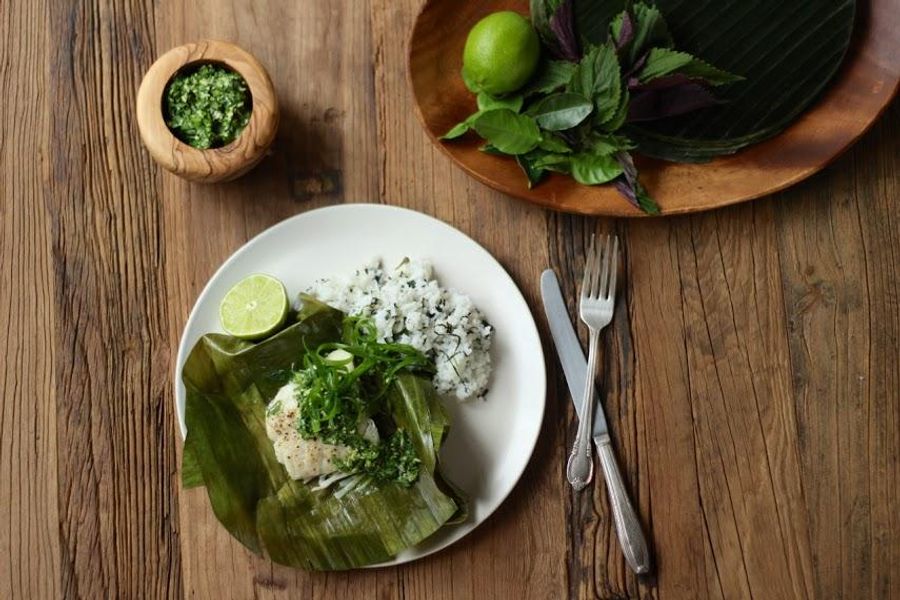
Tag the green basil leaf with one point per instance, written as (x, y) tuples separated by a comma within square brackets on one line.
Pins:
[(560, 163), (605, 144), (594, 169), (507, 131), (561, 111), (555, 144), (461, 128), (488, 102), (608, 86), (492, 150), (582, 81), (533, 172), (598, 77), (456, 131), (621, 114), (551, 75), (662, 61)]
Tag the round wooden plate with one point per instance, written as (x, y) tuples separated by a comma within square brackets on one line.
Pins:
[(863, 88)]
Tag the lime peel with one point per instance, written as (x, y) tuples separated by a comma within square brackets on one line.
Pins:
[(501, 53)]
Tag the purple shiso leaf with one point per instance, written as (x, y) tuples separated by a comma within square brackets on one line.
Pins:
[(626, 34), (570, 136), (630, 188), (627, 183), (637, 66), (625, 190), (627, 163), (650, 104), (562, 24)]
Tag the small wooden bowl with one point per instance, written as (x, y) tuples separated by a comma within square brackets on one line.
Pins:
[(214, 164)]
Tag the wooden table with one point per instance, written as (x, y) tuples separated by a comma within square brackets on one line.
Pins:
[(750, 376)]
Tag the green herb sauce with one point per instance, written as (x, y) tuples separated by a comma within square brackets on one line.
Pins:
[(207, 107), (335, 399)]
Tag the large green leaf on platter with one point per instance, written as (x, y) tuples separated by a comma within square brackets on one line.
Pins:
[(229, 383), (787, 51)]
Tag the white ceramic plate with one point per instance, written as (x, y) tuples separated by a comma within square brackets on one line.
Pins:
[(490, 441)]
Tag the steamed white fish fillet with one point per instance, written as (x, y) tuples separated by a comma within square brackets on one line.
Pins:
[(303, 458)]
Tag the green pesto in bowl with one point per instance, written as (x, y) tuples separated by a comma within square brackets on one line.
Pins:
[(207, 106)]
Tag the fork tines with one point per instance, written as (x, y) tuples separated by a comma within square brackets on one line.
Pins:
[(600, 268)]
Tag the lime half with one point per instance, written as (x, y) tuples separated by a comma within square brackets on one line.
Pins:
[(254, 308)]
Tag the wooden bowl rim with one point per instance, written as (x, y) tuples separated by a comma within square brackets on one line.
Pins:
[(856, 52), (241, 153)]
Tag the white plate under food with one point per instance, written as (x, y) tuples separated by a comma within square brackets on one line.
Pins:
[(490, 440)]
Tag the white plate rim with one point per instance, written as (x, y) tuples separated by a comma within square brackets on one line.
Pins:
[(410, 554)]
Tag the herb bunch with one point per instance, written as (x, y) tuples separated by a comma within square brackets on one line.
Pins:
[(208, 107), (335, 396), (569, 117)]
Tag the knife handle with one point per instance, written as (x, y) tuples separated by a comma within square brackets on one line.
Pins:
[(628, 527)]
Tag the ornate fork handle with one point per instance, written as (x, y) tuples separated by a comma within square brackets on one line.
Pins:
[(580, 468)]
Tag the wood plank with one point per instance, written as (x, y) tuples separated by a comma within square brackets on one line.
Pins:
[(520, 551), (320, 59), (660, 404), (117, 515), (751, 375), (726, 277), (29, 540), (744, 429), (329, 145), (839, 255), (875, 175)]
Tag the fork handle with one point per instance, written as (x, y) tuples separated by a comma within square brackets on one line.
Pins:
[(628, 526), (580, 468)]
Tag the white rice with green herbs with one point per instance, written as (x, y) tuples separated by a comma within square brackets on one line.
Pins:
[(409, 307)]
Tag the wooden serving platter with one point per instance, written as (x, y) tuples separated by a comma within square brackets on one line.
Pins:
[(862, 89)]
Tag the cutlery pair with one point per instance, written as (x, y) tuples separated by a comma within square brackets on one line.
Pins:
[(596, 306)]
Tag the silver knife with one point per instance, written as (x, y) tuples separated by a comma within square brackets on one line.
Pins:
[(571, 356)]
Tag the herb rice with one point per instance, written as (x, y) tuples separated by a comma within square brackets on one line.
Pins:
[(408, 306)]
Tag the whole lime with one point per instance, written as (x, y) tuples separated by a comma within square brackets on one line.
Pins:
[(501, 53)]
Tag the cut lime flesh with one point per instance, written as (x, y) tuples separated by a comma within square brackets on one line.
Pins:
[(254, 308)]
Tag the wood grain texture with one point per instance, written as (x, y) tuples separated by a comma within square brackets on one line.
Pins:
[(115, 452), (29, 540), (750, 376)]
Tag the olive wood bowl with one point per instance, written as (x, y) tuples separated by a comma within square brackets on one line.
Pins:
[(214, 164)]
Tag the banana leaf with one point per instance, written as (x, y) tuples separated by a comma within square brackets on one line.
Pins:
[(229, 383), (787, 52)]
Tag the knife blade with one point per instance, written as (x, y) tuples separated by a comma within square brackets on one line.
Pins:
[(569, 349), (628, 525)]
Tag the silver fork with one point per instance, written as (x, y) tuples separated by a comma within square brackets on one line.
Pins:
[(598, 293)]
